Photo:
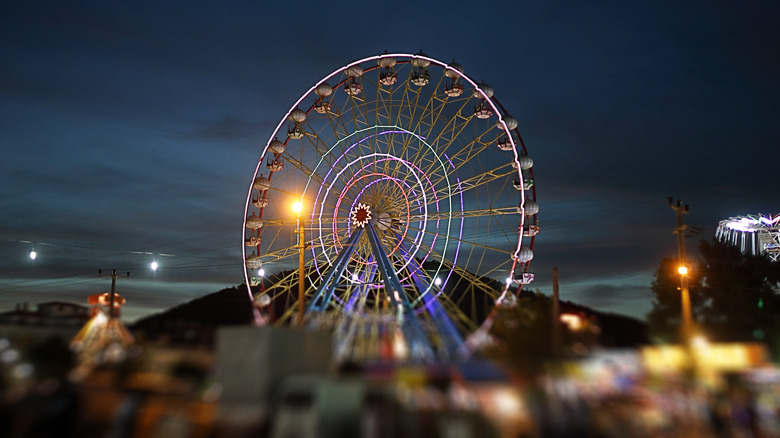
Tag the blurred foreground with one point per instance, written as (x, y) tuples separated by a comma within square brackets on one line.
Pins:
[(272, 382)]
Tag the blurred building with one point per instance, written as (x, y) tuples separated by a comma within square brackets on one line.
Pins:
[(54, 318)]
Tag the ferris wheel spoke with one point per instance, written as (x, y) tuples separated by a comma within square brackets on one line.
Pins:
[(466, 241), (476, 182), (454, 126), (431, 112), (474, 278), (458, 214), (313, 137), (278, 255)]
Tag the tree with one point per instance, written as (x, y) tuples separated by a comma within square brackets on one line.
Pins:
[(523, 332), (733, 296), (741, 292), (665, 318)]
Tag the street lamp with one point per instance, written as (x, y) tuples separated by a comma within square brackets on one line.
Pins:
[(297, 207), (679, 230)]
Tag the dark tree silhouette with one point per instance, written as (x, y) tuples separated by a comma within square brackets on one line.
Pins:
[(733, 296)]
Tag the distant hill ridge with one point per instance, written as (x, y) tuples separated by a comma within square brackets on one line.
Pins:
[(231, 306)]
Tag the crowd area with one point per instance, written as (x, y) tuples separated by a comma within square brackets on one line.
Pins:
[(607, 394)]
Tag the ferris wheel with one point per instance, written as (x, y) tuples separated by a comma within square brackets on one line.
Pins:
[(417, 204)]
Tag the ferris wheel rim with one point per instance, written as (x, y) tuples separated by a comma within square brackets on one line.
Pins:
[(490, 100)]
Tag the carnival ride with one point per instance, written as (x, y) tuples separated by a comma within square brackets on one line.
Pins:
[(416, 208), (753, 234)]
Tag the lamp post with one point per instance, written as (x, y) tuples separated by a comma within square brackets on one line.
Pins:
[(687, 319), (297, 208)]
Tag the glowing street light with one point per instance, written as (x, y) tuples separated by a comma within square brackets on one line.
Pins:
[(154, 265), (33, 254), (679, 230), (297, 207)]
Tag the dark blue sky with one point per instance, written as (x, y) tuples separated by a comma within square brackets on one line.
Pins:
[(130, 129)]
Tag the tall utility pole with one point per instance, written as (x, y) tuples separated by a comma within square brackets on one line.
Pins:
[(113, 291), (682, 269)]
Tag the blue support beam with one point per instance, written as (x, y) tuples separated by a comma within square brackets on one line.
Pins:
[(450, 336), (414, 334), (325, 292)]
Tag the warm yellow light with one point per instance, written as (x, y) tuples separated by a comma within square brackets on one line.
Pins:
[(699, 341), (683, 270), (297, 206), (574, 322)]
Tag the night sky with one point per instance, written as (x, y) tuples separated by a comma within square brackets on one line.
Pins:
[(130, 131)]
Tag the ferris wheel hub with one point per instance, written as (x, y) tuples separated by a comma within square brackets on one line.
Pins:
[(360, 215)]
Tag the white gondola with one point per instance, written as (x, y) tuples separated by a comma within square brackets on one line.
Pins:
[(253, 241), (530, 208), (353, 87), (386, 62), (323, 90), (260, 202), (524, 255), (484, 91), (526, 184), (420, 78), (388, 78), (253, 222), (276, 146), (354, 71), (525, 161), (511, 122), (483, 111), (420, 63), (298, 115), (322, 107), (529, 230), (504, 144), (454, 90), (296, 133), (456, 71), (523, 277), (261, 183), (275, 165), (254, 262)]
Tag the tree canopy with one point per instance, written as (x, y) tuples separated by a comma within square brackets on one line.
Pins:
[(734, 297)]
